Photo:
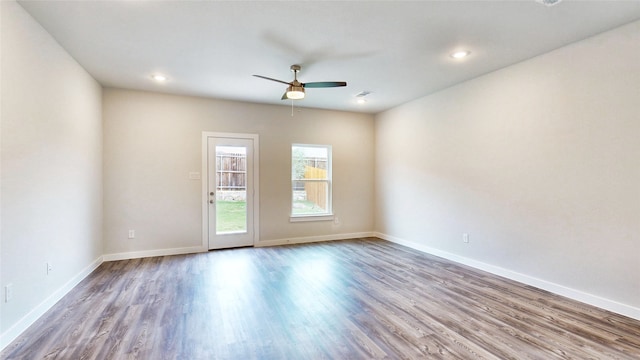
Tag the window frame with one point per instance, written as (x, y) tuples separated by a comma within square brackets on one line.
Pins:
[(328, 215)]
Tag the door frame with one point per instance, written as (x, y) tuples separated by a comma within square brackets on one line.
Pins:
[(205, 181)]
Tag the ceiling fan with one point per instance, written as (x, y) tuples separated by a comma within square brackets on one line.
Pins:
[(295, 91)]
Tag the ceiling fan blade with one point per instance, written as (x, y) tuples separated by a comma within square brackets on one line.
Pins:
[(276, 80), (324, 84)]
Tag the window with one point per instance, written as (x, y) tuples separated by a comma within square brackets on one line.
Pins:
[(311, 182)]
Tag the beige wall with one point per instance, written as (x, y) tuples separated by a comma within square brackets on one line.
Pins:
[(152, 142), (538, 163), (51, 170)]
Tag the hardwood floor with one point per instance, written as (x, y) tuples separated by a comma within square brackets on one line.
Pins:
[(360, 299)]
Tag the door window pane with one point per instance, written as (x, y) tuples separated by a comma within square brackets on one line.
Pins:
[(231, 189)]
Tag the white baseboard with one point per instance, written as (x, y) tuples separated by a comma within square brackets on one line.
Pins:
[(607, 304), (199, 249), (152, 253), (310, 239), (13, 332)]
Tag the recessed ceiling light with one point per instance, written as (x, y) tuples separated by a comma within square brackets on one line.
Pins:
[(361, 101), (460, 54), (159, 77), (548, 2)]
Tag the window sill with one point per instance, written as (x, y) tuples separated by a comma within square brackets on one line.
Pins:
[(304, 218)]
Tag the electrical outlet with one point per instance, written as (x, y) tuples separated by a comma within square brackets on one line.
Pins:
[(132, 234), (8, 292), (465, 238), (336, 220), (49, 268)]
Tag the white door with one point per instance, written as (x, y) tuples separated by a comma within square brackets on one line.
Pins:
[(230, 190)]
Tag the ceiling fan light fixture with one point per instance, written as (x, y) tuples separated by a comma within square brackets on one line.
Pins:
[(295, 92)]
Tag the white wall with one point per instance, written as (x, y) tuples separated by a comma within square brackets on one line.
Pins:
[(538, 163), (152, 141), (51, 170)]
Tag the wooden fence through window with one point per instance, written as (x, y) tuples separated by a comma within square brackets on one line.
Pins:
[(316, 191), (231, 171)]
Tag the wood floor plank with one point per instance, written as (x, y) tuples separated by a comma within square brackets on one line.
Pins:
[(357, 299)]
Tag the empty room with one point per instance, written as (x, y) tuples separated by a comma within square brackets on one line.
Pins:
[(320, 179)]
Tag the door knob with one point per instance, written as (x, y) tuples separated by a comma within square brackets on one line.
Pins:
[(211, 201), (212, 193)]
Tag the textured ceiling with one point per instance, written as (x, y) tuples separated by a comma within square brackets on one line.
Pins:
[(397, 50)]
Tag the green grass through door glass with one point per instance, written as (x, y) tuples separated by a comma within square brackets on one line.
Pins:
[(231, 216)]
